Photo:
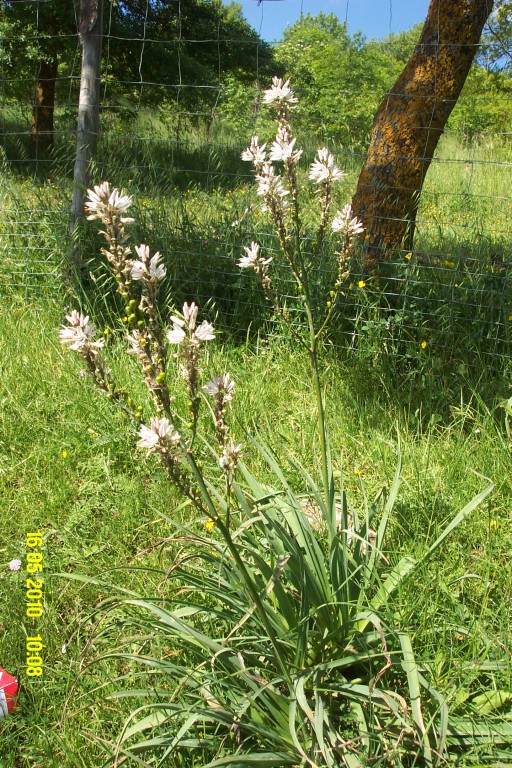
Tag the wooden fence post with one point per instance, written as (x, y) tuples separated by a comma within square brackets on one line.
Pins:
[(90, 30)]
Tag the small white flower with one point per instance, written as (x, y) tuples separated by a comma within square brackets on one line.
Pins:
[(159, 431), (63, 649), (15, 565), (145, 267), (323, 168), (254, 153), (204, 332), (279, 92), (190, 314), (138, 269), (283, 148), (346, 224), (78, 334), (253, 260), (103, 202), (220, 384), (270, 184), (156, 270), (119, 201), (176, 335), (134, 340), (253, 254), (229, 456)]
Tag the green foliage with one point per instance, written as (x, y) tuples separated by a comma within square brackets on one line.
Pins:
[(340, 79), (99, 511), (497, 38), (484, 104), (168, 46), (319, 676)]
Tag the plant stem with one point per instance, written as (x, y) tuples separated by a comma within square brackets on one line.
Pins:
[(241, 565)]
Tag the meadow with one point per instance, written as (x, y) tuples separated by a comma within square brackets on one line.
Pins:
[(425, 375)]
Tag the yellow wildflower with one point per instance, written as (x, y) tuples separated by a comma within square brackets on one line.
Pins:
[(361, 284), (408, 256), (423, 344), (209, 525), (64, 454)]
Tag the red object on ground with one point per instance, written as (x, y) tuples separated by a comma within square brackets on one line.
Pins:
[(8, 689)]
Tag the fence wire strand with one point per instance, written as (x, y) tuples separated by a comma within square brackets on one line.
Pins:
[(170, 144)]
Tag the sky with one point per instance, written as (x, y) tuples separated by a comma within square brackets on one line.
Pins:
[(375, 18)]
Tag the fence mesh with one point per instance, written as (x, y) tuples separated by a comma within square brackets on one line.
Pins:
[(171, 134)]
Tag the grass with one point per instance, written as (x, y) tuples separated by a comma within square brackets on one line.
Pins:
[(67, 464), (68, 468)]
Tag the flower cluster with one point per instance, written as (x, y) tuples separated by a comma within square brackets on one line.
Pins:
[(109, 207), (160, 435), (105, 204), (347, 225), (184, 328), (323, 168), (79, 334), (279, 93), (255, 154), (145, 268), (190, 337), (280, 199), (221, 388), (283, 148)]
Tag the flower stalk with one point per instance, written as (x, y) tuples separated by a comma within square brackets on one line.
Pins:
[(280, 199)]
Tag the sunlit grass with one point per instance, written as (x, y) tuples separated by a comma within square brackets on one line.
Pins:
[(68, 468)]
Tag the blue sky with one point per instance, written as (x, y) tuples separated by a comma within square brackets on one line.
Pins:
[(375, 18)]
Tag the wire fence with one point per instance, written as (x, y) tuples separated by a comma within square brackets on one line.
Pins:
[(173, 122)]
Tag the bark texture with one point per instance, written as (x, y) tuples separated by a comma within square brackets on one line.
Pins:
[(409, 123), (42, 129)]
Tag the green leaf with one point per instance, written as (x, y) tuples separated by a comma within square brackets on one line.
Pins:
[(472, 505), (258, 759), (411, 670), (490, 700)]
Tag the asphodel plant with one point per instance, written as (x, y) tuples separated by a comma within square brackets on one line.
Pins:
[(286, 652)]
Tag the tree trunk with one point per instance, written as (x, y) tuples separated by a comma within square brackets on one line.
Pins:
[(409, 123), (42, 130)]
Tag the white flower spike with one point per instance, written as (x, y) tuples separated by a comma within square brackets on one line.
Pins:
[(346, 224), (78, 334), (279, 93), (102, 202), (324, 169)]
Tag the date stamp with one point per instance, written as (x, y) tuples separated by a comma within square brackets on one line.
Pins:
[(34, 601)]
